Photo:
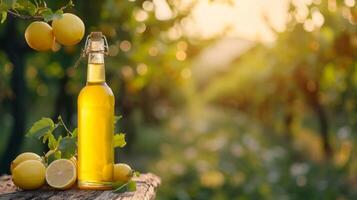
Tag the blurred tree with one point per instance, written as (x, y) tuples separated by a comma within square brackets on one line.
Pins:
[(294, 67)]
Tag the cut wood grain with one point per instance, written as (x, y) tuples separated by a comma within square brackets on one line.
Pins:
[(146, 187)]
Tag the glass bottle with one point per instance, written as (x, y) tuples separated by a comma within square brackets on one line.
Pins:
[(95, 121)]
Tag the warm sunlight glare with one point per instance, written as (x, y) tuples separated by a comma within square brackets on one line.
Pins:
[(255, 20), (248, 19)]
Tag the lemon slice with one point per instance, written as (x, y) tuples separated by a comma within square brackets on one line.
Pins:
[(61, 174)]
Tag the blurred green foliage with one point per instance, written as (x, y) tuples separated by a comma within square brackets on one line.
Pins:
[(279, 123)]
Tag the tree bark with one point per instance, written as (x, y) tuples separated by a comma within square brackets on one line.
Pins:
[(310, 89), (321, 115)]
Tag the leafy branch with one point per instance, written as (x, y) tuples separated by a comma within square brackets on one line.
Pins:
[(27, 10), (129, 186), (21, 16), (65, 145), (60, 122)]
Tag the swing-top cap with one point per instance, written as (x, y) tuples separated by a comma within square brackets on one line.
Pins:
[(96, 43), (96, 35)]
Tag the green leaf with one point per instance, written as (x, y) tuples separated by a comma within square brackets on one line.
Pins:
[(52, 142), (25, 5), (119, 140), (68, 147), (129, 186), (54, 156), (74, 133), (136, 173), (3, 8), (70, 3), (41, 127), (59, 139), (8, 3), (18, 6), (57, 14), (31, 8), (45, 138), (56, 146), (118, 184), (49, 15), (117, 118), (3, 16)]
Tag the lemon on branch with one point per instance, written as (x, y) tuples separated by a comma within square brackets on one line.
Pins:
[(39, 36), (69, 29)]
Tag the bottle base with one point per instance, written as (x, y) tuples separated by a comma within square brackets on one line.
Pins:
[(88, 185)]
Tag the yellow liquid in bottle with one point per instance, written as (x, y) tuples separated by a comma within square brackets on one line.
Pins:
[(95, 131)]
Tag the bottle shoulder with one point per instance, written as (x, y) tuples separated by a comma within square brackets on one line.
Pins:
[(100, 93), (97, 88)]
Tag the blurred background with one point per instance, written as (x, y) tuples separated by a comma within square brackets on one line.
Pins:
[(223, 99)]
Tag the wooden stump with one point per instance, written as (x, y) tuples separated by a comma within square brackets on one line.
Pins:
[(146, 187)]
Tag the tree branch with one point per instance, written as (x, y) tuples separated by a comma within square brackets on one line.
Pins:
[(18, 15)]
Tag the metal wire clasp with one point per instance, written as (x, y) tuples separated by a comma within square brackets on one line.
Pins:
[(88, 50)]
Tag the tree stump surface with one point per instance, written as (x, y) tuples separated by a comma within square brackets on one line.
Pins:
[(146, 187)]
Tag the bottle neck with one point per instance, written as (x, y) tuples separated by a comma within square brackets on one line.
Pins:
[(96, 69)]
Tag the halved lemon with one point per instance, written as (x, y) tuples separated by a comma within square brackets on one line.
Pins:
[(61, 174)]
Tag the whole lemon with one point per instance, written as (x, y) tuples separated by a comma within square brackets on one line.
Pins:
[(23, 157), (39, 36), (122, 172), (107, 172), (29, 175), (69, 29)]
